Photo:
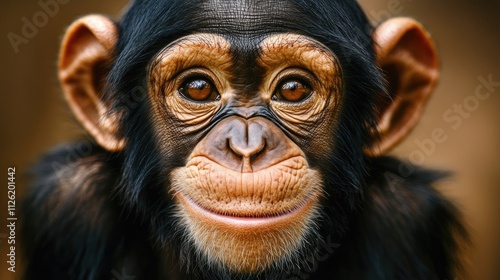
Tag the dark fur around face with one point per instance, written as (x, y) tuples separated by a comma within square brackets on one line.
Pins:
[(93, 214)]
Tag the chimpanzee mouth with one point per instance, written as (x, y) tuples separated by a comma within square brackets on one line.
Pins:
[(247, 219)]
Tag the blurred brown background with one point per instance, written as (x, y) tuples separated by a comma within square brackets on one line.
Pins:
[(34, 116)]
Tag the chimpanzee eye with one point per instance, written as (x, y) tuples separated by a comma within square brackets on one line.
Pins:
[(199, 89), (293, 90)]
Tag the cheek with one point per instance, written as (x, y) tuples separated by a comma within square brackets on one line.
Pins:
[(177, 128), (321, 142)]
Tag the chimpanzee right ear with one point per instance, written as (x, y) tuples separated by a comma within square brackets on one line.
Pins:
[(86, 52), (407, 56)]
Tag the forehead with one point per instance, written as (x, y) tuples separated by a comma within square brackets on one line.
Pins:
[(246, 23), (248, 18)]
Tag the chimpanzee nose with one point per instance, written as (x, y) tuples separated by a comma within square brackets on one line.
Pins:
[(246, 140), (245, 145)]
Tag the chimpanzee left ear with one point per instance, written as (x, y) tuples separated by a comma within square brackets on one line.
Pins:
[(408, 58), (86, 53)]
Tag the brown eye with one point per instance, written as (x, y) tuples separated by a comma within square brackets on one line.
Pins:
[(293, 91), (199, 89)]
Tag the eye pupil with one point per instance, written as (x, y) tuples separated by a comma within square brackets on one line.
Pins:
[(199, 90), (293, 91)]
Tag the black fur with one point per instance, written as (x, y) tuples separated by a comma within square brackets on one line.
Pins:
[(403, 229), (91, 215)]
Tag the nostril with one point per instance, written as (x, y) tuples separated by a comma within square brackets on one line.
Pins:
[(258, 153)]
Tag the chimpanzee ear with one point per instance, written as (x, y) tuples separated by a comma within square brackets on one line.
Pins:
[(408, 58), (86, 52)]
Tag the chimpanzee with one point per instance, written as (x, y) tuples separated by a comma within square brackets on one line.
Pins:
[(241, 140)]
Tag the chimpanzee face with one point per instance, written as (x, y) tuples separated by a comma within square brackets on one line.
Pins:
[(246, 181)]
